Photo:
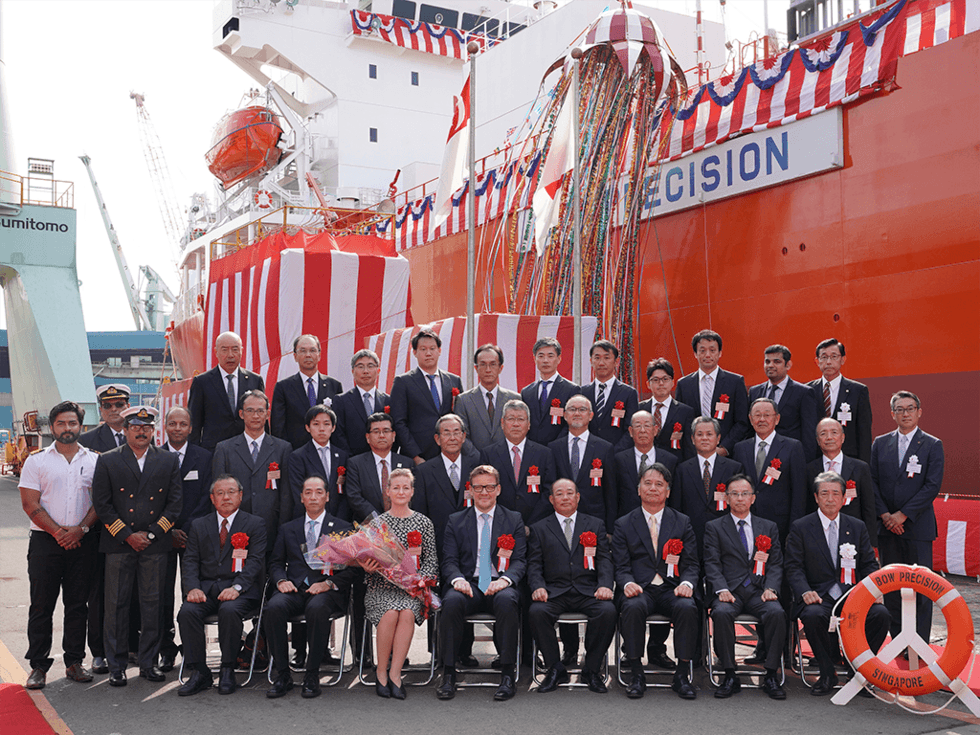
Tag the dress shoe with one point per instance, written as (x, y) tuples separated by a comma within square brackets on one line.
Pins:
[(496, 664), (77, 672), (467, 662), (772, 687), (638, 685), (330, 660), (553, 677), (730, 685), (569, 659), (397, 690), (36, 680), (298, 661), (166, 662), (100, 665), (682, 685), (506, 689), (153, 674), (227, 683), (594, 682), (447, 690), (383, 690), (280, 686), (311, 685), (824, 686), (197, 682), (117, 678), (660, 659)]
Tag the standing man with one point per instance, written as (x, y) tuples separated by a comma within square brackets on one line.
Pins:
[(367, 474), (796, 401), (319, 457), (355, 406), (292, 397), (845, 400), (215, 396), (907, 468), (540, 396), (859, 492), (56, 494), (260, 463), (214, 584), (481, 407), (613, 401), (668, 413), (195, 483), (137, 496), (709, 384), (631, 463), (562, 579), (421, 396)]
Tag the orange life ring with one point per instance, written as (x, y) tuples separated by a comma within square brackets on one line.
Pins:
[(931, 677), (262, 198)]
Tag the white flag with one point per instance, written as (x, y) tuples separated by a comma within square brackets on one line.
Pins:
[(558, 163), (455, 166)]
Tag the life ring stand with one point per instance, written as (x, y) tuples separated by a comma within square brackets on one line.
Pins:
[(930, 678), (262, 199)]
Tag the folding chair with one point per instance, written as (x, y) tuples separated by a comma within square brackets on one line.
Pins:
[(538, 672), (408, 669), (746, 634), (657, 673), (489, 621), (336, 671)]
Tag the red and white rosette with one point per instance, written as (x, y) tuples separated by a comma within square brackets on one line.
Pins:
[(467, 495), (850, 491), (272, 476), (762, 546), (505, 547), (557, 412), (595, 474), (618, 413), (589, 542), (772, 472), (848, 563), (414, 540), (341, 476), (533, 479), (675, 437), (387, 409), (722, 407), (455, 393), (721, 499), (239, 553), (672, 555)]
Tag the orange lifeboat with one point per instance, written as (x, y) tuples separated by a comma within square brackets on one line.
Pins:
[(244, 143)]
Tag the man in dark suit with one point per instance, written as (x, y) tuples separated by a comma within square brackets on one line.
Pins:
[(292, 397), (354, 406), (796, 401), (818, 545), (514, 457), (481, 407), (137, 538), (421, 396), (845, 400), (481, 576), (775, 465), (705, 389), (216, 396), (367, 474), (629, 464), (195, 484), (259, 462), (319, 457), (651, 583), (588, 460), (671, 419), (570, 573), (907, 468), (699, 479), (613, 401), (732, 563), (317, 593), (540, 396), (859, 493), (224, 574)]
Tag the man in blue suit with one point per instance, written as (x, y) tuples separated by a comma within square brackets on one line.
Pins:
[(630, 463), (907, 468), (796, 401), (668, 413), (845, 400), (367, 474), (613, 401), (540, 396), (355, 406), (294, 396)]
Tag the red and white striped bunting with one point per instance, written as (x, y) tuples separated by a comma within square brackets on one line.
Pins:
[(428, 38)]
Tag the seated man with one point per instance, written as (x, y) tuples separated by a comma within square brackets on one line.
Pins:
[(222, 573), (474, 583), (656, 558), (317, 594), (563, 579), (815, 551), (732, 545)]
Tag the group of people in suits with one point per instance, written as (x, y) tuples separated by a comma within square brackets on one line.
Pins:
[(607, 506)]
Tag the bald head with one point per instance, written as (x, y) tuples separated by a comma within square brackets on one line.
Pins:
[(178, 427), (228, 350)]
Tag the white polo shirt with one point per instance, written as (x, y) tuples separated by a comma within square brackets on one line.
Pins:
[(65, 487)]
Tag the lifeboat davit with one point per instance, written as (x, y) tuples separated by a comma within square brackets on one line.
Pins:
[(244, 143)]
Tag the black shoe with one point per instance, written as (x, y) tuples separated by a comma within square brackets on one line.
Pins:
[(100, 665), (36, 680), (298, 661), (638, 685), (825, 685), (280, 686), (166, 662), (865, 694), (77, 672), (569, 659), (383, 690), (197, 683), (682, 685), (660, 659), (227, 683), (757, 658), (311, 685), (397, 692), (134, 658), (553, 677), (730, 685), (772, 687), (506, 689), (153, 674), (447, 690), (117, 678), (330, 660), (496, 664), (467, 662), (594, 682)]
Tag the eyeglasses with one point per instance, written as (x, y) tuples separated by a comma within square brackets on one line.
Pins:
[(660, 381), (365, 365), (115, 404), (828, 358), (380, 432), (905, 409), (577, 409), (254, 411), (483, 489), (142, 428), (744, 494)]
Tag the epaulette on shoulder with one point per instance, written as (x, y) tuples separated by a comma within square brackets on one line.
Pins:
[(36, 451)]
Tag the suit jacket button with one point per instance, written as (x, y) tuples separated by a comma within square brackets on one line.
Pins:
[(130, 495)]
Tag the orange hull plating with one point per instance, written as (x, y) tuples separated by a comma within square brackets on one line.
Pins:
[(883, 254)]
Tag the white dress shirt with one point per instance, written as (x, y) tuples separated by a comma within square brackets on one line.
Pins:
[(65, 487)]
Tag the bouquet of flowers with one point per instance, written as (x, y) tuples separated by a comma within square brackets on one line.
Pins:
[(373, 541)]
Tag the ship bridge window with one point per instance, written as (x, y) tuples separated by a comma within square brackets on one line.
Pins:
[(373, 135), (480, 24), (403, 9), (415, 79), (372, 71), (439, 16)]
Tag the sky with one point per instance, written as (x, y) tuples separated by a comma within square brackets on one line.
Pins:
[(70, 66)]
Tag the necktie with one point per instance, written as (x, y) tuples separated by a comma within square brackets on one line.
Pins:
[(658, 421), (903, 447), (310, 391), (833, 466), (760, 460), (311, 536), (600, 399), (385, 500), (454, 476), (180, 459), (434, 391), (255, 452), (772, 392), (517, 465), (490, 407), (643, 464), (544, 396), (748, 549), (707, 478), (654, 533), (232, 400), (707, 390), (485, 574), (223, 534), (119, 440), (325, 460), (368, 404), (576, 457), (835, 591), (568, 532), (826, 399)]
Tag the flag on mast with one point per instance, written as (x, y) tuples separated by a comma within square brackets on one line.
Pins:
[(455, 167), (559, 162)]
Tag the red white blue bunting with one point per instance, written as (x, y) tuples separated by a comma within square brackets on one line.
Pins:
[(426, 37)]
